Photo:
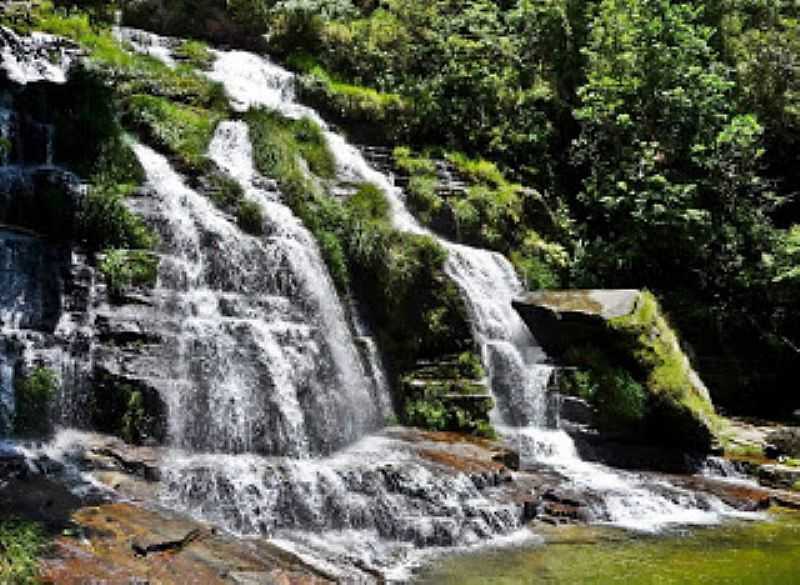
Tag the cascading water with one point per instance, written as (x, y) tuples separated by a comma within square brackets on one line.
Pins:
[(258, 365), (516, 364), (264, 361)]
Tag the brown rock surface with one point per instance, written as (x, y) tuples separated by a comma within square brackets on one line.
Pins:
[(104, 553)]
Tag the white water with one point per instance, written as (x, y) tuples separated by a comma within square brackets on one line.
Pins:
[(33, 58), (265, 361)]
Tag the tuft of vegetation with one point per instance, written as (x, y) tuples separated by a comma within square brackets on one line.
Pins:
[(379, 115), (195, 53), (33, 397), (105, 220), (182, 131), (250, 217), (133, 412), (21, 544), (123, 269)]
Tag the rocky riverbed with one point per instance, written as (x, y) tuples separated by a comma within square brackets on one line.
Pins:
[(100, 501)]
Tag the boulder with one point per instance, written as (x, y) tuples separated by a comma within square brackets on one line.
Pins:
[(779, 476), (626, 360), (563, 319)]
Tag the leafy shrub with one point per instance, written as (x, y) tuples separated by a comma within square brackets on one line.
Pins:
[(469, 365), (620, 401), (126, 268), (33, 396), (250, 218)]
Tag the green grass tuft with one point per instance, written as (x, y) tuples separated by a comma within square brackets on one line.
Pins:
[(21, 543)]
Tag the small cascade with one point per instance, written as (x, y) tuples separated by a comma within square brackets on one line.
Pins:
[(620, 498), (146, 43), (263, 360), (374, 501), (36, 57)]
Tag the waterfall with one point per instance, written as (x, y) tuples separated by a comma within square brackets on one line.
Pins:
[(516, 364), (273, 387), (36, 57), (263, 360)]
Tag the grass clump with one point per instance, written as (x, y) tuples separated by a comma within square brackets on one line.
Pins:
[(183, 131), (385, 113), (105, 220), (33, 396), (195, 53), (21, 544), (123, 269)]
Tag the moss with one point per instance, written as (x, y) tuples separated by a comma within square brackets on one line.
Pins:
[(123, 269), (127, 409), (655, 347), (21, 544), (182, 131), (195, 53), (250, 218), (638, 380), (33, 396)]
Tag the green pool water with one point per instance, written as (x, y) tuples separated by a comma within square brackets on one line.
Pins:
[(741, 553)]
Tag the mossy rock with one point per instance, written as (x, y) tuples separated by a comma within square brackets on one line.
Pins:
[(448, 395), (128, 409), (632, 367)]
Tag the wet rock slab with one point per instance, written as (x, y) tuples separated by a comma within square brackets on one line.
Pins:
[(113, 536)]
